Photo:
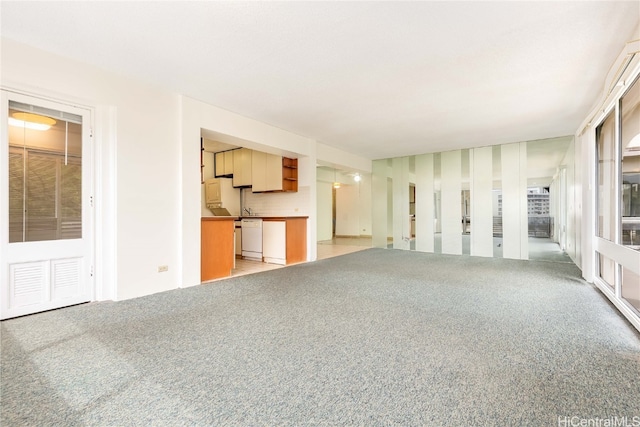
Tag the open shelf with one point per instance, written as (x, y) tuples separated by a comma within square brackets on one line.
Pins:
[(289, 174)]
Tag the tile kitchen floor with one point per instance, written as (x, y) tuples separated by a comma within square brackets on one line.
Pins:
[(342, 245), (326, 249), (244, 266)]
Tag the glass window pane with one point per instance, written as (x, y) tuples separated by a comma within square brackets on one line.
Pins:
[(631, 288), (45, 174), (606, 269), (16, 196), (630, 142), (605, 152), (71, 200), (41, 222)]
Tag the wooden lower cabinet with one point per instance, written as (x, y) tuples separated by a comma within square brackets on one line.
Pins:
[(296, 240), (217, 253)]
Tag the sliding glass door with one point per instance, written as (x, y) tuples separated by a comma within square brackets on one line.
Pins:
[(630, 189), (617, 242)]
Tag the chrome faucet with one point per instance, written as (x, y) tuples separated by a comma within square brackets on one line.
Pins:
[(248, 211)]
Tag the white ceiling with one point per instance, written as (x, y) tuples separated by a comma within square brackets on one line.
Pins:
[(379, 79)]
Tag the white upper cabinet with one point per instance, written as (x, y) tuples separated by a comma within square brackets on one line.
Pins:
[(258, 171), (274, 172), (224, 163), (242, 167), (266, 172)]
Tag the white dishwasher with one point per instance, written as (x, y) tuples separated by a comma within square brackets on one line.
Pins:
[(252, 238), (274, 242)]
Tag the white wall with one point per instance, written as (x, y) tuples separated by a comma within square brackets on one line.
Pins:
[(136, 129), (347, 210), (353, 207), (364, 205)]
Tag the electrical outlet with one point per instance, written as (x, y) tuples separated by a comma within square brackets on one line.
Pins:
[(163, 268)]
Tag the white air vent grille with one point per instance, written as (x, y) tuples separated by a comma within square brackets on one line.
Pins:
[(65, 278), (27, 283)]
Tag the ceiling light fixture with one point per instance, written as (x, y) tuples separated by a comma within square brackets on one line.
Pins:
[(357, 178), (31, 121), (336, 184)]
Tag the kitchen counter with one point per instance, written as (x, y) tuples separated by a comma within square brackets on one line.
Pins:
[(262, 217), (274, 218), (281, 218), (220, 218)]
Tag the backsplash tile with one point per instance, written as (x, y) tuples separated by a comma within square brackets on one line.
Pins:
[(278, 204)]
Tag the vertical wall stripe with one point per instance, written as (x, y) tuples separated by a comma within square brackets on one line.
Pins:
[(481, 164), (401, 224), (379, 204), (451, 168), (425, 207), (522, 198), (510, 159)]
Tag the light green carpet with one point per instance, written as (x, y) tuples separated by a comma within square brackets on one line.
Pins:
[(378, 337)]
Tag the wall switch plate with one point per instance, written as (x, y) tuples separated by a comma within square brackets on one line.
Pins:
[(163, 268)]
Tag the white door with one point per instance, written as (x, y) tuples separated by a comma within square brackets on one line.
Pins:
[(46, 206)]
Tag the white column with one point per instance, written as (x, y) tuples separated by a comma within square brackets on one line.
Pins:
[(481, 163), (515, 225), (451, 168), (425, 207)]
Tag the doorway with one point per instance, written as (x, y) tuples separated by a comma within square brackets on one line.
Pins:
[(341, 226), (47, 256)]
